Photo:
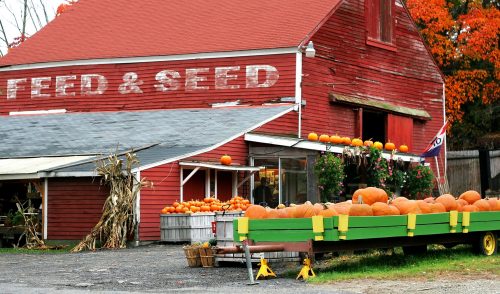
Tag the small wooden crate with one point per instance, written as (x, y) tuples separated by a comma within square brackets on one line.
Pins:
[(207, 257), (192, 255)]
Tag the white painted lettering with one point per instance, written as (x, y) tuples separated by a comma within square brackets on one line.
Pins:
[(192, 79), (272, 76), (12, 87), (167, 80), (130, 84), (62, 85), (37, 86), (222, 76), (102, 84)]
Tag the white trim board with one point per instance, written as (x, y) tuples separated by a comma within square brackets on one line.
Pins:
[(144, 59)]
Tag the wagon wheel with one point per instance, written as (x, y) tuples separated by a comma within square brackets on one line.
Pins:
[(487, 243)]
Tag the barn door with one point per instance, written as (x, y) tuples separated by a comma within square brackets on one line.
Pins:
[(400, 130)]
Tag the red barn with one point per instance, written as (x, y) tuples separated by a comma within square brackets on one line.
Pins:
[(182, 83)]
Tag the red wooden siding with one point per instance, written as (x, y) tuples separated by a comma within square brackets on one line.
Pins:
[(345, 64), (74, 207), (224, 185), (166, 185), (195, 187), (151, 97), (285, 125), (165, 190), (400, 130)]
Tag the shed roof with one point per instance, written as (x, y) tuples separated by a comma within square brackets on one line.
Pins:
[(156, 135), (93, 29)]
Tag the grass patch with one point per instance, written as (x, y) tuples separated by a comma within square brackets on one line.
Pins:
[(377, 265), (34, 251)]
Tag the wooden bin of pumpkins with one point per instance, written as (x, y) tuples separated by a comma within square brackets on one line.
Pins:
[(191, 221), (370, 215)]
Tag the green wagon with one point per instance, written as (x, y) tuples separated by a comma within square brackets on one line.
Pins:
[(413, 232)]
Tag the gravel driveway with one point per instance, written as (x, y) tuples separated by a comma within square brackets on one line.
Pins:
[(162, 268)]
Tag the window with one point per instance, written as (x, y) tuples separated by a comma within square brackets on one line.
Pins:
[(281, 180), (380, 23)]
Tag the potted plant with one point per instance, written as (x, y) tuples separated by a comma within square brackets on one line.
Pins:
[(420, 181), (329, 170)]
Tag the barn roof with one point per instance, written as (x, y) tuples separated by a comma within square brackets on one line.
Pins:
[(95, 29), (155, 136)]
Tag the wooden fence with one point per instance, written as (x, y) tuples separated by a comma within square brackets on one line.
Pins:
[(465, 168)]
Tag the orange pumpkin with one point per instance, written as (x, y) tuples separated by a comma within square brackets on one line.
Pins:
[(165, 210), (304, 210), (470, 208), (356, 142), (406, 207), (342, 208), (360, 210), (328, 211), (470, 196), (389, 146), (483, 205), (493, 203), (283, 213), (225, 159), (368, 143), (370, 195), (425, 207), (395, 210), (380, 208), (346, 141), (378, 145), (335, 139), (324, 138), (448, 201), (290, 211), (317, 207), (462, 202), (403, 148), (312, 137), (272, 213), (437, 208), (255, 211), (399, 199)]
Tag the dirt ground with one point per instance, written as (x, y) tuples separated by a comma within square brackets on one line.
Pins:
[(163, 268)]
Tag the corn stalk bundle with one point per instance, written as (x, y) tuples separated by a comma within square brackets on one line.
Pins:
[(117, 221), (33, 240)]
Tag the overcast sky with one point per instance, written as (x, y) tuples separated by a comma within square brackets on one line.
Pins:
[(10, 7)]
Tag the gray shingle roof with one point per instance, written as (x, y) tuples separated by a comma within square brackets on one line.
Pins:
[(167, 133)]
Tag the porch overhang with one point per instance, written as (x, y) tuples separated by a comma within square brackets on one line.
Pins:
[(198, 165), (318, 146), (34, 168), (380, 105)]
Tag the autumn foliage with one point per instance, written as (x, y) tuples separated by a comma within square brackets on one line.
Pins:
[(463, 37)]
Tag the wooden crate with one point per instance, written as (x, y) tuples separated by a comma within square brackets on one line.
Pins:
[(186, 227)]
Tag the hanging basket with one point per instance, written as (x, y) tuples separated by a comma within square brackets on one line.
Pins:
[(192, 255)]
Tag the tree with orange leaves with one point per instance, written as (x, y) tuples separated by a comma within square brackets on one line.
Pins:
[(463, 37)]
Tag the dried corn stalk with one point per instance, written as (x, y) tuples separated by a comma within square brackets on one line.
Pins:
[(117, 221), (33, 241)]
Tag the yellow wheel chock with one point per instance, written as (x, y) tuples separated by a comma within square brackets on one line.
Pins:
[(306, 270), (264, 270)]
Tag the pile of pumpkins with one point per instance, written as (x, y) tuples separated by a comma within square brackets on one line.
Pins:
[(372, 201), (236, 203), (356, 142)]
